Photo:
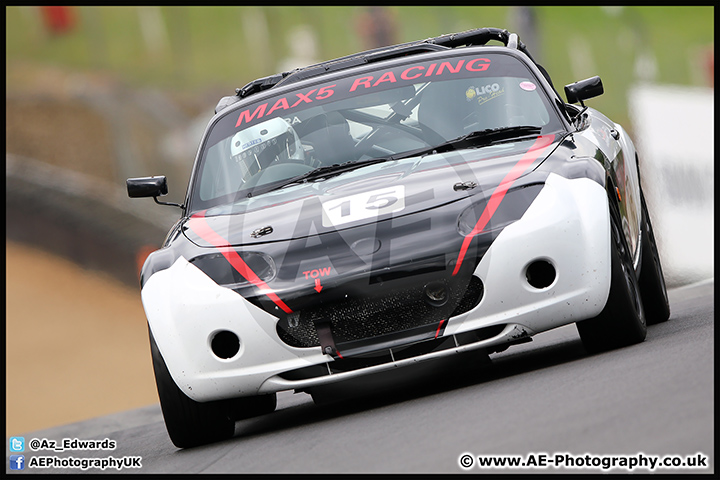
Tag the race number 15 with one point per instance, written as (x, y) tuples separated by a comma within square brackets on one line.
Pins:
[(363, 205)]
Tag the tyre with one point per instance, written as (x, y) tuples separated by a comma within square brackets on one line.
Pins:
[(190, 423), (622, 320), (652, 282)]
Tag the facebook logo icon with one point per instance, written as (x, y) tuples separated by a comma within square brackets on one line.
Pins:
[(17, 462)]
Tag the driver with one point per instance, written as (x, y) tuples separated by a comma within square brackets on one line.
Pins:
[(272, 142)]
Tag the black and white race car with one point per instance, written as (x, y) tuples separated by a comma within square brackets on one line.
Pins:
[(386, 208)]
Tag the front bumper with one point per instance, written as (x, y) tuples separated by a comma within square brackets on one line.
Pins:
[(567, 226)]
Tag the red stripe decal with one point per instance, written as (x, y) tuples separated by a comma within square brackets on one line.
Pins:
[(437, 332), (499, 193), (201, 227)]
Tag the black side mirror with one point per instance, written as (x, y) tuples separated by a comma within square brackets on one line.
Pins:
[(149, 187), (584, 89)]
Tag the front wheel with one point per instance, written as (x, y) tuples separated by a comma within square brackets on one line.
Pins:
[(622, 321), (190, 423)]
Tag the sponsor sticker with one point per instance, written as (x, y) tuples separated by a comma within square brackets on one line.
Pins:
[(470, 93), (527, 86), (251, 143), (484, 93)]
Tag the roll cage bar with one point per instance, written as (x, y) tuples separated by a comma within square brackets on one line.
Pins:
[(474, 37)]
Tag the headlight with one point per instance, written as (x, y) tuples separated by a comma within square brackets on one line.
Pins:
[(512, 207), (219, 269)]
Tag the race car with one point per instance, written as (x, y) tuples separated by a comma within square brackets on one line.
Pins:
[(391, 207)]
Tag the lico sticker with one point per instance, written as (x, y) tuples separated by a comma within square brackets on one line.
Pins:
[(527, 86), (363, 205)]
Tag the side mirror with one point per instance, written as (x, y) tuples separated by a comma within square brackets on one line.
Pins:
[(584, 89), (149, 187)]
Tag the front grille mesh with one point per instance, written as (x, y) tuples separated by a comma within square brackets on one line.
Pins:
[(363, 318)]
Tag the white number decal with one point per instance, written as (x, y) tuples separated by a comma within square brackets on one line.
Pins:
[(363, 205)]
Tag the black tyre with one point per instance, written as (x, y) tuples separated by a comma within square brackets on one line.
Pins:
[(652, 282), (190, 423), (622, 321)]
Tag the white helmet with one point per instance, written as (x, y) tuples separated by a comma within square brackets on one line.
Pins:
[(260, 146)]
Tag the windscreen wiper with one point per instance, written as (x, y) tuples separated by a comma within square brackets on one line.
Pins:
[(480, 137), (477, 138), (318, 173), (494, 134)]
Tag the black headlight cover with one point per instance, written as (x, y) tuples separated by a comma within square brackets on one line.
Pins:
[(510, 210), (217, 267)]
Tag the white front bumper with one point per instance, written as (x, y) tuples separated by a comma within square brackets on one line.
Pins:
[(567, 225)]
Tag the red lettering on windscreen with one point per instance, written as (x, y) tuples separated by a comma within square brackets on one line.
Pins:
[(280, 104), (416, 71), (447, 65), (471, 67), (364, 83), (283, 104), (246, 117), (386, 77), (406, 75)]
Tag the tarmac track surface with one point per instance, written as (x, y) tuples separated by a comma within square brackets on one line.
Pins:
[(548, 396)]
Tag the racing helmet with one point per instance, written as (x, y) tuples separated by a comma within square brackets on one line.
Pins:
[(260, 146)]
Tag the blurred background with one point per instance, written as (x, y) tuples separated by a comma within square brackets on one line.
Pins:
[(95, 95)]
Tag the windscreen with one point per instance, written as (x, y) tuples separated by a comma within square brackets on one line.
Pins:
[(376, 114)]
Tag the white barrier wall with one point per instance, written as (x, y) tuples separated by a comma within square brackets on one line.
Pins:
[(674, 134)]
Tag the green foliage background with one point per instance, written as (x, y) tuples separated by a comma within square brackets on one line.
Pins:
[(218, 47)]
